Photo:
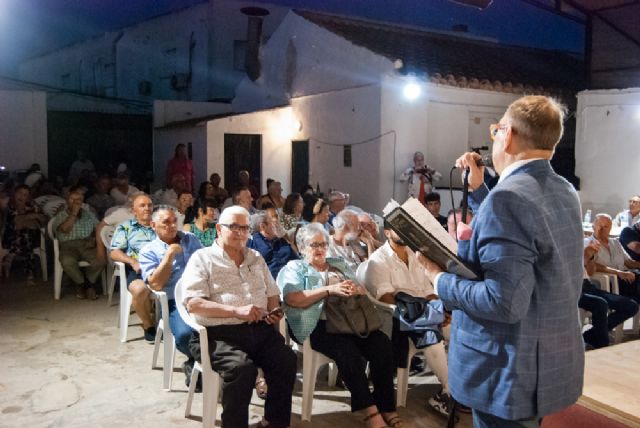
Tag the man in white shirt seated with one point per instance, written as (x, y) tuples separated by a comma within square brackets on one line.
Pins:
[(229, 289), (612, 259), (122, 190), (391, 269), (170, 195), (631, 216)]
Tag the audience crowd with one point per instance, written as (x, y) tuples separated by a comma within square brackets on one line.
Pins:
[(245, 260)]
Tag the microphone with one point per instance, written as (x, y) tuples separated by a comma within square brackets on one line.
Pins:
[(485, 160)]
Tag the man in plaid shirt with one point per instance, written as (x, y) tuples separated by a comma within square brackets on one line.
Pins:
[(74, 227)]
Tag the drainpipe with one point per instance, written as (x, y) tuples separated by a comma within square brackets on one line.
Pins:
[(254, 35), (114, 54)]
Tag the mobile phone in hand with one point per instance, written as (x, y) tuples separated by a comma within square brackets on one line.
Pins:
[(275, 311)]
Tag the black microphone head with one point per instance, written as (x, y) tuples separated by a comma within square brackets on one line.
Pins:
[(485, 160)]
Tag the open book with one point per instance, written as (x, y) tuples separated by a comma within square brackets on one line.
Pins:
[(422, 232)]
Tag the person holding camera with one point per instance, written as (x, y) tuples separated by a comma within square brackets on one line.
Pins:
[(420, 177)]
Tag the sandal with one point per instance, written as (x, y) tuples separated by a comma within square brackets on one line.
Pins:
[(373, 415), (261, 388), (394, 421)]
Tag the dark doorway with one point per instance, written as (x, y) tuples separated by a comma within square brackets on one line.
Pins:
[(299, 165), (105, 139), (241, 151)]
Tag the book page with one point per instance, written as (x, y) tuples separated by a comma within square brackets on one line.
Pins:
[(420, 214)]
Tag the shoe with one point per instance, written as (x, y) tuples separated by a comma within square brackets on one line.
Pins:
[(81, 292), (187, 368), (91, 293), (150, 335), (441, 403)]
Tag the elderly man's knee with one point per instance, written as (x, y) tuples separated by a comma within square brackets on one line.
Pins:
[(245, 371), (138, 289)]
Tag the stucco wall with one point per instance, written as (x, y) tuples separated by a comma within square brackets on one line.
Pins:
[(607, 148), (23, 129)]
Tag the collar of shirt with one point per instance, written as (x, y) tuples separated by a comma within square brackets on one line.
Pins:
[(511, 168)]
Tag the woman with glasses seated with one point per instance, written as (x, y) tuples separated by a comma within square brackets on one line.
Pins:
[(204, 223), (305, 285)]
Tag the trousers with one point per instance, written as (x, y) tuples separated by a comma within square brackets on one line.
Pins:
[(236, 352)]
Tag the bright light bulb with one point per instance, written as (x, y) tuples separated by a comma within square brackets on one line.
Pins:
[(411, 91)]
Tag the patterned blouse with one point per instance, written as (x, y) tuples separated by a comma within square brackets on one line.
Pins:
[(205, 237)]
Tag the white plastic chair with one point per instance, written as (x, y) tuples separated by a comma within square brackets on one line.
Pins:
[(57, 266), (311, 362), (164, 334), (211, 382), (41, 252), (118, 271)]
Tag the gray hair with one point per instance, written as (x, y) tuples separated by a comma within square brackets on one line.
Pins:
[(342, 218), (307, 233), (135, 195), (257, 219), (229, 212), (602, 215), (159, 209)]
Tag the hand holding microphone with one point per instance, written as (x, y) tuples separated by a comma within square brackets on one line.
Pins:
[(474, 164)]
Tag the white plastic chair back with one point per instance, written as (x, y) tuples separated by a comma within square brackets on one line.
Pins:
[(211, 382), (165, 335)]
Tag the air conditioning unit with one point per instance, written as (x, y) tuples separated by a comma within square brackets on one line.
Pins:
[(144, 88), (180, 81)]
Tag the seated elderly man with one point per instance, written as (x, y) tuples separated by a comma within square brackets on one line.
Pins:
[(127, 241), (75, 228), (612, 259), (600, 303), (391, 269), (229, 289), (242, 197), (631, 216), (337, 202), (162, 263), (630, 240), (275, 250), (343, 243)]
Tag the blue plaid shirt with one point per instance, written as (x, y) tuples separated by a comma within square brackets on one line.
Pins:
[(130, 236)]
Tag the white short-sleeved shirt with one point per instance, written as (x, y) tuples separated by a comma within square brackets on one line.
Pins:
[(613, 257), (212, 275), (386, 273)]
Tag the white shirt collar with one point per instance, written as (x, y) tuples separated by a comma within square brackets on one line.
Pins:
[(517, 164)]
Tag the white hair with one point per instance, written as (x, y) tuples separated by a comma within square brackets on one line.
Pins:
[(342, 218), (257, 220), (155, 216), (601, 215), (307, 233), (229, 212)]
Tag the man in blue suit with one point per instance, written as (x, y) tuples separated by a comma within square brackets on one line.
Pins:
[(516, 351)]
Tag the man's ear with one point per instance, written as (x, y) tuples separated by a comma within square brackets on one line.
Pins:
[(511, 143), (387, 233)]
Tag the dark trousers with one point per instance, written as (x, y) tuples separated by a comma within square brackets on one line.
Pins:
[(485, 420), (599, 303), (236, 352), (630, 289), (351, 354)]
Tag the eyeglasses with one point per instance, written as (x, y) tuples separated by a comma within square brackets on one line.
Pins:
[(234, 227), (316, 245), (494, 128), (634, 201)]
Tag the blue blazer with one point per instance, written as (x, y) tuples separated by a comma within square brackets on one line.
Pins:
[(516, 346)]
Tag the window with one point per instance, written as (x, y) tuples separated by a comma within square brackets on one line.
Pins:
[(346, 156)]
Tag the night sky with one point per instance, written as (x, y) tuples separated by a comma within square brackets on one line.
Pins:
[(32, 27)]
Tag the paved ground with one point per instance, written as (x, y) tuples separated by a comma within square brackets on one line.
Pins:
[(61, 365)]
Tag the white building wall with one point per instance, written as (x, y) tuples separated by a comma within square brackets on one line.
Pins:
[(302, 58), (276, 128), (608, 148), (332, 120), (23, 129), (443, 122)]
